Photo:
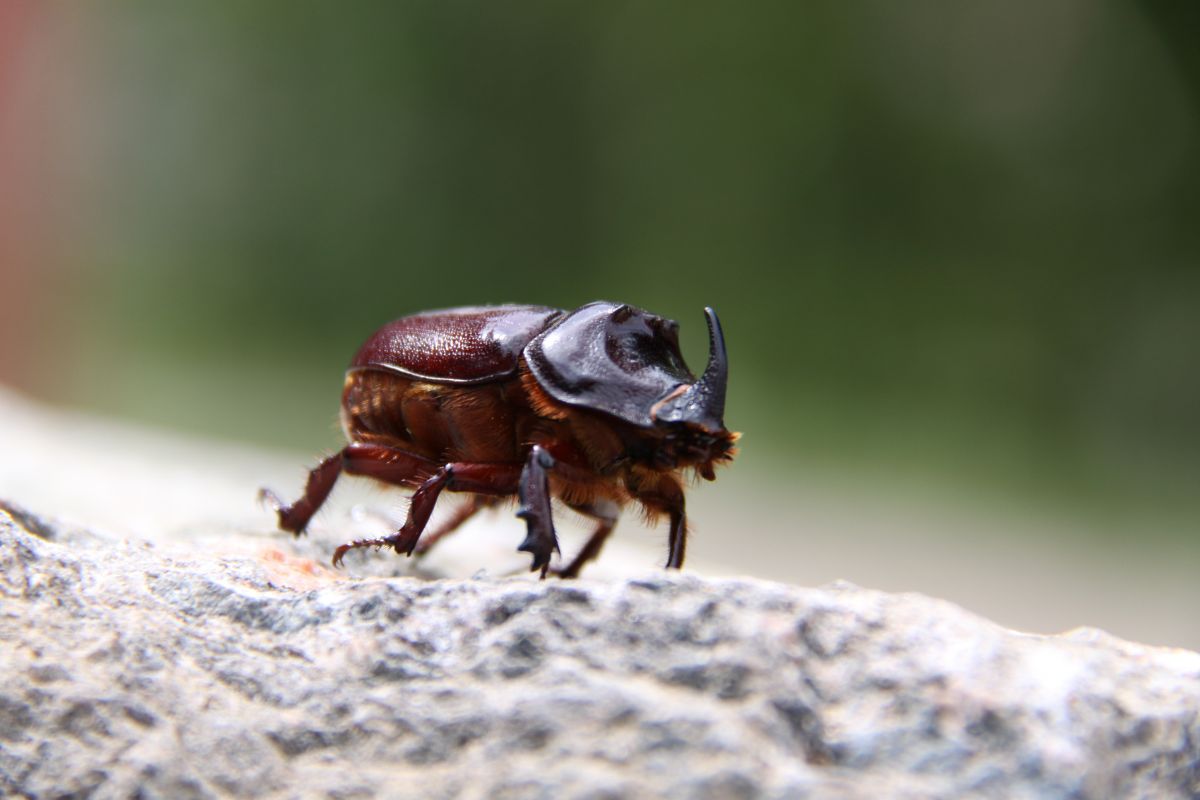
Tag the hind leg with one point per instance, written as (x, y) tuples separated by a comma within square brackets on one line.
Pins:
[(605, 513), (295, 517), (388, 464)]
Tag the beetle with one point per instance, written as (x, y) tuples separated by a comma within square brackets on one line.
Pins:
[(594, 407)]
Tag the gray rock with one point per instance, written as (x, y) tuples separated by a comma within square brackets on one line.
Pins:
[(132, 669)]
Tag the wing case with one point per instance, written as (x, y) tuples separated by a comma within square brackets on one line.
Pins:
[(457, 345)]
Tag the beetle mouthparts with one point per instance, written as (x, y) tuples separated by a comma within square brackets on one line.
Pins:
[(703, 403)]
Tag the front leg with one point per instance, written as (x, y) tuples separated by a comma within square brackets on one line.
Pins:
[(664, 494), (677, 540), (534, 493)]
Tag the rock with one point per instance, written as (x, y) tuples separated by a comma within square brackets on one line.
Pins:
[(138, 669)]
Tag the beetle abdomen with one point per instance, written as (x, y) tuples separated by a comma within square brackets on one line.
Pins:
[(372, 406), (438, 422)]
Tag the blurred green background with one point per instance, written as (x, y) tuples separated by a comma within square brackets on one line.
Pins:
[(954, 245)]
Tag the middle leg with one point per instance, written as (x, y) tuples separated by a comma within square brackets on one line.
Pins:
[(480, 478), (606, 513), (665, 495)]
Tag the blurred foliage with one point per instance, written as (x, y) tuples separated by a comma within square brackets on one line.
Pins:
[(947, 237)]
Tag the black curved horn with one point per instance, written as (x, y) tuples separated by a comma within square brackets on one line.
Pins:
[(716, 375), (704, 402)]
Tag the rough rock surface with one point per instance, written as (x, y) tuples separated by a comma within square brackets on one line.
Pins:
[(134, 670)]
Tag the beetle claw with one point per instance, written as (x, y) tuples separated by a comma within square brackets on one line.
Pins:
[(268, 498), (285, 512)]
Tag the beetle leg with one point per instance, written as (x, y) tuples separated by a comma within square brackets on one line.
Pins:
[(677, 540), (295, 517), (419, 509), (377, 461), (606, 514), (667, 495), (534, 493), (388, 464), (396, 466), (384, 463)]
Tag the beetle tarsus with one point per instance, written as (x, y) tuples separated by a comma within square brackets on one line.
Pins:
[(340, 552)]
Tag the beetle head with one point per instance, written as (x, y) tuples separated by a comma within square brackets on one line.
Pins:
[(694, 415), (702, 404), (625, 362)]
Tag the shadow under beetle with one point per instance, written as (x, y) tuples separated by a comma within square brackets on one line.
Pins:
[(594, 407)]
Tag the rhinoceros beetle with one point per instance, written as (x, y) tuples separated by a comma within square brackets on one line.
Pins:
[(595, 407)]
